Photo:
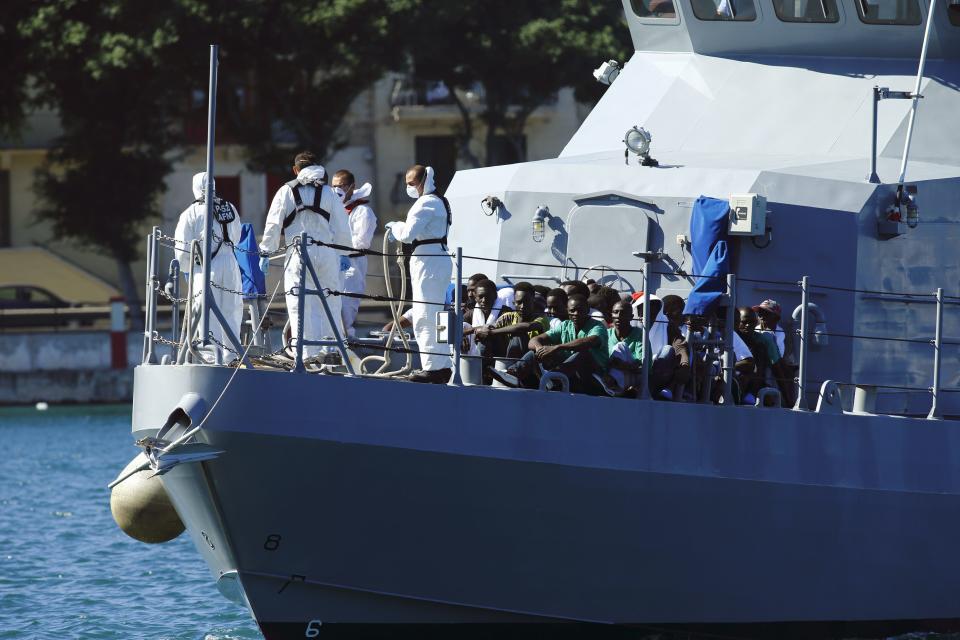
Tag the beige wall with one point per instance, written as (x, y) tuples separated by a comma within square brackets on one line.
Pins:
[(378, 143)]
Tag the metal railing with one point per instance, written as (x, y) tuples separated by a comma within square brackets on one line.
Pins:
[(184, 345), (306, 266)]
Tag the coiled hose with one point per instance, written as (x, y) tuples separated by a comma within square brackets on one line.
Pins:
[(396, 311)]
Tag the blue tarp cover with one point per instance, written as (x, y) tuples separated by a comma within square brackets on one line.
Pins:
[(709, 250), (246, 252)]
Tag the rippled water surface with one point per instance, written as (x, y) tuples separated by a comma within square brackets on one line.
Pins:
[(66, 570)]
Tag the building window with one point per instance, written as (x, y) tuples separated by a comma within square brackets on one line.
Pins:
[(953, 10), (807, 10), (439, 152), (5, 238), (737, 10), (228, 188), (654, 8), (889, 11)]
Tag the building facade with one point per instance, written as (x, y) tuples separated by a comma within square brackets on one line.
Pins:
[(389, 127)]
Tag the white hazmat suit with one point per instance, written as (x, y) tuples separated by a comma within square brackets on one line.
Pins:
[(363, 224), (430, 270), (224, 270), (324, 259)]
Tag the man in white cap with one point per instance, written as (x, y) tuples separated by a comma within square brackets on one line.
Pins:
[(224, 270), (306, 204), (430, 267)]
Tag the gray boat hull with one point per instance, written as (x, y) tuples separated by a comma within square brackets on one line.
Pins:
[(383, 502)]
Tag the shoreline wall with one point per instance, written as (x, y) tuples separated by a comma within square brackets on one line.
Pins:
[(65, 367)]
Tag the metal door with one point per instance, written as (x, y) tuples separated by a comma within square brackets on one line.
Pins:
[(604, 233)]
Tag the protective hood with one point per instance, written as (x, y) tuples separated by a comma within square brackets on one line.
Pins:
[(658, 328), (429, 186), (199, 184), (361, 193), (311, 175)]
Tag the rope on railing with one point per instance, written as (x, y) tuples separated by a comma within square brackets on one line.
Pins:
[(373, 252)]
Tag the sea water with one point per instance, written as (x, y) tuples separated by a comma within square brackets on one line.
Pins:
[(66, 570)]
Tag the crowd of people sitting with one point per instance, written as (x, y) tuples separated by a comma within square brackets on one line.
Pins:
[(592, 334)]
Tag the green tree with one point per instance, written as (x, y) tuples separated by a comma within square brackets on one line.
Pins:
[(519, 52), (14, 67), (102, 66), (122, 78), (292, 69)]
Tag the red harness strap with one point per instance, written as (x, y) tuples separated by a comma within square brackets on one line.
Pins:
[(353, 205)]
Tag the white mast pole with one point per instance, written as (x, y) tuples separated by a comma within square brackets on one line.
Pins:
[(208, 196), (916, 95), (208, 200)]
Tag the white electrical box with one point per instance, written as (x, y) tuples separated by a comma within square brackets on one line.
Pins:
[(445, 322), (748, 215)]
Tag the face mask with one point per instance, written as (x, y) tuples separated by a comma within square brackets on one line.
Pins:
[(340, 193), (412, 192)]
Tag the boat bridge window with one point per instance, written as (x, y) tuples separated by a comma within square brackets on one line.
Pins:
[(953, 10), (740, 10), (654, 8), (807, 10), (889, 11)]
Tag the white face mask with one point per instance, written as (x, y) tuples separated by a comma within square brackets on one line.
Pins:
[(412, 192), (340, 193)]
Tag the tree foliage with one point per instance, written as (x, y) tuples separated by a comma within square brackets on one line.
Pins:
[(292, 69), (124, 79), (102, 66), (14, 68), (520, 52)]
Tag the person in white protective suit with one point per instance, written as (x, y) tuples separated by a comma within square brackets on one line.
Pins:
[(224, 270), (430, 267), (305, 204), (363, 224)]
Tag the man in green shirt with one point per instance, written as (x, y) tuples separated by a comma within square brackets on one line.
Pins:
[(763, 355), (576, 348), (625, 346)]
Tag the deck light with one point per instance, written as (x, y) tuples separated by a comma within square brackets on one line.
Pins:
[(540, 222), (607, 72), (637, 140)]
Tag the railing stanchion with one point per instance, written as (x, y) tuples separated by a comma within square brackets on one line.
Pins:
[(186, 345), (728, 355), (457, 332), (146, 305), (334, 322), (301, 298), (873, 177), (937, 352), (801, 404), (149, 357), (645, 326), (174, 277)]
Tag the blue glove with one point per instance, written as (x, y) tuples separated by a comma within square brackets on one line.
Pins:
[(344, 263), (264, 265)]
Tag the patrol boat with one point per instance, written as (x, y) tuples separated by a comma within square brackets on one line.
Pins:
[(325, 499)]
